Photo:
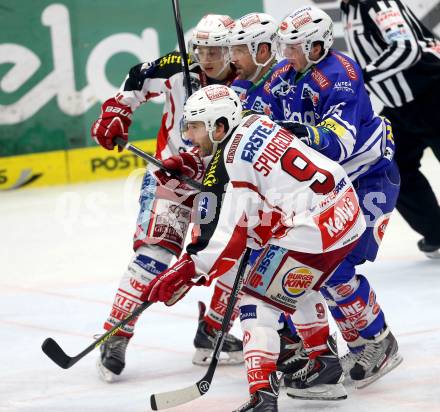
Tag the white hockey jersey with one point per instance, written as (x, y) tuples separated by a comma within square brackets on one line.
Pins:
[(263, 186), (164, 77)]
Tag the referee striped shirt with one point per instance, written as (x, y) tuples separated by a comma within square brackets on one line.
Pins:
[(400, 57)]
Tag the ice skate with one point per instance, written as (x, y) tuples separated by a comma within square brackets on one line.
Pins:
[(430, 250), (111, 362), (264, 400), (320, 379), (377, 359), (204, 341), (292, 353), (293, 356), (347, 361)]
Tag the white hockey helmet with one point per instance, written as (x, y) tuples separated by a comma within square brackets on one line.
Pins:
[(210, 104), (211, 31), (252, 30), (304, 26)]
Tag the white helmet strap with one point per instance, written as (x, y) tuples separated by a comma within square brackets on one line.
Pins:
[(222, 70), (211, 130), (253, 52), (310, 62)]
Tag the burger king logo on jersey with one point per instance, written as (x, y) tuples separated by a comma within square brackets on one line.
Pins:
[(297, 281)]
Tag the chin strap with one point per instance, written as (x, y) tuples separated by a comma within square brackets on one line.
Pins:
[(260, 66), (225, 66), (310, 63), (215, 143)]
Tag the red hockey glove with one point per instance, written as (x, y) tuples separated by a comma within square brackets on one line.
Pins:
[(170, 188), (172, 284), (188, 163), (114, 122)]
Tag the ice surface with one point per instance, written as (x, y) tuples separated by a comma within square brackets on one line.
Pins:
[(62, 253)]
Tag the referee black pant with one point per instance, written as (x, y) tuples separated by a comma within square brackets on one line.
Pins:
[(416, 126)]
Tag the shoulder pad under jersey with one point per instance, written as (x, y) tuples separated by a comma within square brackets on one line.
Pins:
[(166, 66)]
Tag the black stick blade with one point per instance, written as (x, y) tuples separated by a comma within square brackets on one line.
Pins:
[(54, 352)]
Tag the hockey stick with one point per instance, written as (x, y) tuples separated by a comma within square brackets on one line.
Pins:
[(158, 163), (182, 47), (170, 399), (54, 351)]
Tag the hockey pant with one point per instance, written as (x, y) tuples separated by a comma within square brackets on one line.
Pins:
[(285, 318), (161, 229)]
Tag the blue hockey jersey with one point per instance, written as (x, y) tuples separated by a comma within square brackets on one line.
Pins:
[(331, 99), (255, 96)]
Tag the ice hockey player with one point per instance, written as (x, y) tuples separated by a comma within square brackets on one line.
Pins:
[(265, 188), (320, 94), (252, 50), (162, 224)]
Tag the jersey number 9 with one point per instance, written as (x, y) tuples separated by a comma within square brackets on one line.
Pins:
[(300, 167)]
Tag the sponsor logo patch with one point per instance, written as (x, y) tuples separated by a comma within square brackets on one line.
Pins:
[(227, 21), (259, 105), (254, 280), (335, 222), (202, 35), (249, 20), (319, 77), (334, 126), (150, 265), (168, 59), (349, 68), (246, 338), (203, 207), (297, 281), (251, 120), (267, 259), (344, 290), (333, 194), (380, 227), (309, 93), (343, 87), (216, 93), (248, 312), (301, 20), (233, 148), (210, 178), (389, 18), (255, 141)]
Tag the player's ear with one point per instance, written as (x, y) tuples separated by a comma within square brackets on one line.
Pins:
[(317, 50), (220, 132), (220, 129), (263, 50)]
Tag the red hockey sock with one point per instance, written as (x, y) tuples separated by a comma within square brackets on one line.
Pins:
[(217, 307), (259, 366), (314, 337)]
